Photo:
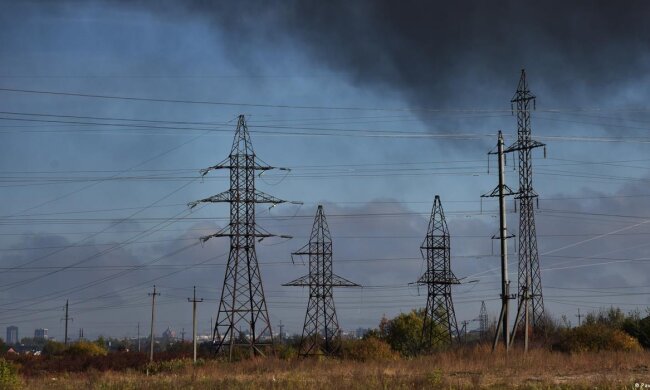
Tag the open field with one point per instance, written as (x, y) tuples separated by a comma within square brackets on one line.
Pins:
[(465, 368)]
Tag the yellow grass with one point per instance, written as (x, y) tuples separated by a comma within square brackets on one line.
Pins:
[(465, 368)]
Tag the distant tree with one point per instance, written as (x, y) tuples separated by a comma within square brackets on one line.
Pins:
[(612, 317), (86, 348), (53, 348), (638, 328), (594, 337)]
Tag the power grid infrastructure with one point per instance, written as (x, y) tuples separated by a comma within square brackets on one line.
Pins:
[(321, 331), (152, 341), (439, 325), (242, 300), (66, 319), (483, 321), (530, 302), (501, 191), (194, 301)]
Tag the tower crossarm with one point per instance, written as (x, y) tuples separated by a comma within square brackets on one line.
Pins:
[(219, 198), (226, 164), (304, 281), (226, 197), (257, 234), (339, 281), (524, 145), (432, 277)]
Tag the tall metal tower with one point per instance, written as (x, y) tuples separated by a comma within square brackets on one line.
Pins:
[(483, 320), (321, 332), (529, 279), (243, 318), (440, 325)]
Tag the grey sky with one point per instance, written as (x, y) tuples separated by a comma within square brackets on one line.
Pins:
[(377, 70)]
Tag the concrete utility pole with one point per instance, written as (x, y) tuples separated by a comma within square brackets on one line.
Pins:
[(579, 317), (138, 337), (501, 191), (281, 332), (194, 302), (153, 318), (66, 318)]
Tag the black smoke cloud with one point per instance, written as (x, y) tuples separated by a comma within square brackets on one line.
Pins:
[(430, 50), (451, 55)]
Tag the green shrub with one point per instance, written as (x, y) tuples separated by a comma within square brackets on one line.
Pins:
[(53, 348), (286, 352), (367, 349), (9, 378), (86, 348), (167, 366), (594, 337)]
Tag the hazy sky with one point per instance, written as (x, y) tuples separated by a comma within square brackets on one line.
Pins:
[(376, 106)]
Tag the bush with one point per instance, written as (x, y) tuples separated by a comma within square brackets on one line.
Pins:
[(367, 349), (286, 352), (86, 348), (53, 348), (594, 337), (9, 378), (639, 329), (167, 366)]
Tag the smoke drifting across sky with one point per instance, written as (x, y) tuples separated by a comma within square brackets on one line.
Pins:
[(432, 68)]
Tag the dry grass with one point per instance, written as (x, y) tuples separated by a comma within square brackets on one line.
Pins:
[(465, 368)]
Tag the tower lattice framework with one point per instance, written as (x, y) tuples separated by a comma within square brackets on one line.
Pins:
[(440, 324), (243, 318), (321, 332), (483, 320), (529, 278)]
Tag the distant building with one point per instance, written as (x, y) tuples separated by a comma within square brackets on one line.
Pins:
[(169, 334), (40, 334), (12, 335), (361, 332)]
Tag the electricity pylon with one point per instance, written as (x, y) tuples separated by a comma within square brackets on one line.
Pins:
[(440, 324), (243, 318), (321, 332), (529, 278), (483, 321)]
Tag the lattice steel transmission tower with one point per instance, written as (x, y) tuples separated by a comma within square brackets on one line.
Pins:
[(440, 324), (243, 319), (321, 332), (483, 320), (529, 278)]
